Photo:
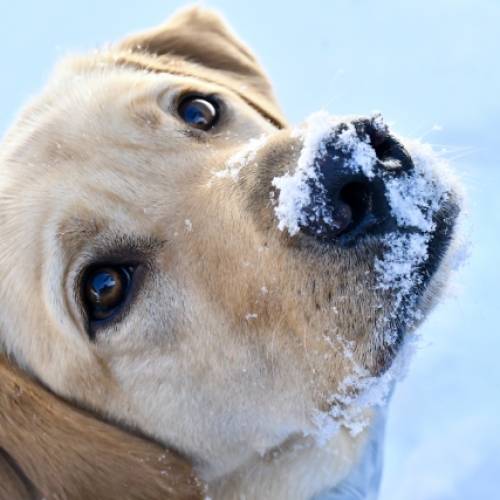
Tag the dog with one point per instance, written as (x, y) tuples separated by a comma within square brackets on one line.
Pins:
[(196, 298)]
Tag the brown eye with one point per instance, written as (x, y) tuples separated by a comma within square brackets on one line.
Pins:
[(198, 112), (105, 290)]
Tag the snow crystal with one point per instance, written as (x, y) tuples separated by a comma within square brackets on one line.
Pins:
[(398, 267), (295, 188), (358, 393), (414, 198), (242, 158), (362, 155)]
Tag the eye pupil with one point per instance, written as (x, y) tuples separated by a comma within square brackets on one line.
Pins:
[(105, 289), (198, 112), (103, 286)]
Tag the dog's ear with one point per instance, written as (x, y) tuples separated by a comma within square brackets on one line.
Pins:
[(13, 485), (50, 449), (200, 36)]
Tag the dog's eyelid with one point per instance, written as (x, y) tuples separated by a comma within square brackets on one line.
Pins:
[(166, 101), (116, 250), (171, 100), (124, 247)]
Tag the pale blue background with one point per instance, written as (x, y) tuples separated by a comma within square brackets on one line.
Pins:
[(422, 63)]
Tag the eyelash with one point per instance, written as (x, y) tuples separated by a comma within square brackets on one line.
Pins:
[(137, 253), (93, 326)]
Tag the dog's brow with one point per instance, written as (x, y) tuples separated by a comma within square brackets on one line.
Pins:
[(76, 234), (122, 246), (152, 66)]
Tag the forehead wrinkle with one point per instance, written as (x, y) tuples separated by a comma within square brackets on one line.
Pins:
[(106, 211)]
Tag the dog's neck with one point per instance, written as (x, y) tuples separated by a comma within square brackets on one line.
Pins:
[(302, 469)]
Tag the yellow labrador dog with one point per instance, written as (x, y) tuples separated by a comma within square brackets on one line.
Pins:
[(182, 270)]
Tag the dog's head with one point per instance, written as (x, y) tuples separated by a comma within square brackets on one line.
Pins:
[(178, 259)]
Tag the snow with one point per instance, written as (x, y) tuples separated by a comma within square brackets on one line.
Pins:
[(242, 158), (350, 409), (295, 187), (363, 481), (398, 269), (414, 197), (435, 68), (363, 156), (414, 200)]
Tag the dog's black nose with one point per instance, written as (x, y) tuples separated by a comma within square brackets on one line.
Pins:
[(348, 197)]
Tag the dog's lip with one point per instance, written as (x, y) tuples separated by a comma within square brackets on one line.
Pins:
[(440, 241), (438, 247), (370, 226)]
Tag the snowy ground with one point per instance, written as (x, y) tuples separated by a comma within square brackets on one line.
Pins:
[(431, 67)]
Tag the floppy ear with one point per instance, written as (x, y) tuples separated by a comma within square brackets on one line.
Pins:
[(50, 449), (200, 36), (12, 484)]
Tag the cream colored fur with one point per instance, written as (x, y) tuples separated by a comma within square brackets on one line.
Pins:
[(222, 353)]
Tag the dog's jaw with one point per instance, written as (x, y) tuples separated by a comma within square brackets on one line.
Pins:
[(298, 470)]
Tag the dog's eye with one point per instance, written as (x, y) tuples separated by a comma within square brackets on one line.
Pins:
[(105, 290), (199, 112)]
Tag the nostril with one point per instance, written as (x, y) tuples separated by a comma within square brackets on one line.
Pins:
[(383, 148), (389, 151), (358, 197), (346, 201), (392, 154)]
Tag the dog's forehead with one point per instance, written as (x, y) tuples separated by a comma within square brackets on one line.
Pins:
[(92, 107), (84, 137), (99, 132)]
